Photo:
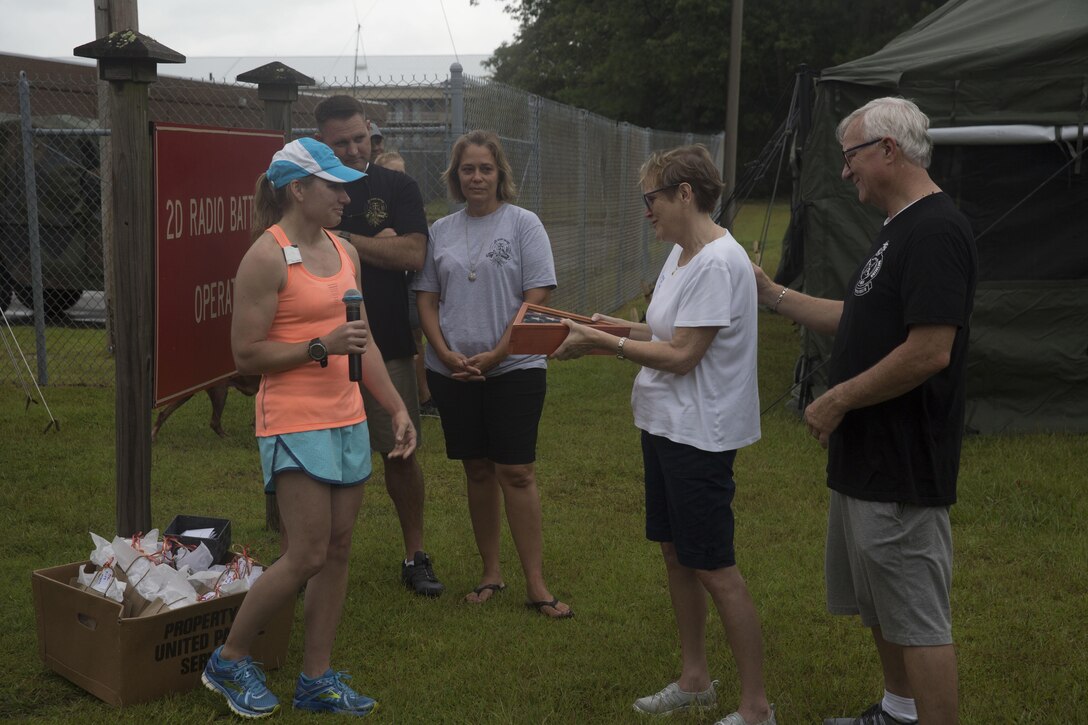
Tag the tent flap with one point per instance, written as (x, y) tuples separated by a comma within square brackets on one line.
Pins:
[(1028, 369)]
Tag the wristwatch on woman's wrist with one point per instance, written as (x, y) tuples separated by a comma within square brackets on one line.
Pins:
[(318, 352)]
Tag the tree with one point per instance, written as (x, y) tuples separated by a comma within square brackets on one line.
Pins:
[(620, 58), (663, 63)]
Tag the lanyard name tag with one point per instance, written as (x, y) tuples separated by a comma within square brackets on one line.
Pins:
[(292, 255)]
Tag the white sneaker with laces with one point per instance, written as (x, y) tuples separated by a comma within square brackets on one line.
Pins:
[(734, 718), (673, 699)]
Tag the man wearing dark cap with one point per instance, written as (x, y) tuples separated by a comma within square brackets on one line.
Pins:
[(385, 221), (377, 143)]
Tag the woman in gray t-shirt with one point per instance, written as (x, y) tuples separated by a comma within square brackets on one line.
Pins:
[(482, 263)]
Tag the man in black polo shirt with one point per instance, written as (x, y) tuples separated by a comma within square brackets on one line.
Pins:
[(386, 223), (892, 417)]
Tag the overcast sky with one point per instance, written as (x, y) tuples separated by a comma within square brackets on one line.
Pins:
[(52, 28)]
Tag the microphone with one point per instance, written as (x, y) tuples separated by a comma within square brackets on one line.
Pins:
[(352, 300)]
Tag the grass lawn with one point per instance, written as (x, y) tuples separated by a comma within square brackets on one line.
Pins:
[(1018, 598)]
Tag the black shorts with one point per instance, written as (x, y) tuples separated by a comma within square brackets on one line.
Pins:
[(689, 496), (495, 419)]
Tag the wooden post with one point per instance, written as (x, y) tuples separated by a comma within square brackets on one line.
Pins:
[(277, 87), (109, 15), (128, 61)]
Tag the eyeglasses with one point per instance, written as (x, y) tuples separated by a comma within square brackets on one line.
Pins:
[(853, 150), (651, 196)]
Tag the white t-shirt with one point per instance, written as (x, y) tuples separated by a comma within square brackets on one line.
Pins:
[(715, 407), (506, 253)]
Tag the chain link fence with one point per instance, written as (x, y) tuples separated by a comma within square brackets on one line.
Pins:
[(576, 170)]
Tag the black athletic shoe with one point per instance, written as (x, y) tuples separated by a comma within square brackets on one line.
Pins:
[(419, 576), (875, 715)]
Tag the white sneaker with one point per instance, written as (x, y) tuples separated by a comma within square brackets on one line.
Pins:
[(673, 699), (734, 718)]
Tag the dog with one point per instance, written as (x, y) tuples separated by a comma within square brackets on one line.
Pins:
[(245, 384)]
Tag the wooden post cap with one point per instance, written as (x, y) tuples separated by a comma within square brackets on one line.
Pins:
[(128, 55), (276, 81)]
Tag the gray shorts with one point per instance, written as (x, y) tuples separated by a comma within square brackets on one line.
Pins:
[(403, 374), (891, 563)]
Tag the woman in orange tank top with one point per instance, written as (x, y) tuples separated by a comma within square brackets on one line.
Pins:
[(289, 327)]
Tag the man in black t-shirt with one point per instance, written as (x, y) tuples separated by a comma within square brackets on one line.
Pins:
[(385, 221), (892, 417)]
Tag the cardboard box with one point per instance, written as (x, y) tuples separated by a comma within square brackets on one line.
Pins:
[(124, 661), (539, 330), (218, 545)]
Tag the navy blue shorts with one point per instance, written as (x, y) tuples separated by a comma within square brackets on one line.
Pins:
[(689, 496), (496, 419)]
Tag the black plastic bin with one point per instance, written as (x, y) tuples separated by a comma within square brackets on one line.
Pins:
[(218, 545)]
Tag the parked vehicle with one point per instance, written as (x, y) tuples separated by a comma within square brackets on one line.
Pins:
[(69, 216)]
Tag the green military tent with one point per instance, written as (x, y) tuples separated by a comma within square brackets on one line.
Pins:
[(1005, 84)]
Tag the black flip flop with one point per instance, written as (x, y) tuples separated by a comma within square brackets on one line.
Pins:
[(496, 588), (539, 607)]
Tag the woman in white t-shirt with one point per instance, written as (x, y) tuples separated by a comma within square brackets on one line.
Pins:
[(696, 402)]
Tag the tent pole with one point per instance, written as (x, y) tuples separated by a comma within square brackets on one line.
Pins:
[(732, 112)]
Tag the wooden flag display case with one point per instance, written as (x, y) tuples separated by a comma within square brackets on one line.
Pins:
[(539, 330)]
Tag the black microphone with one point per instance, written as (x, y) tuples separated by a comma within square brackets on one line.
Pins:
[(352, 300)]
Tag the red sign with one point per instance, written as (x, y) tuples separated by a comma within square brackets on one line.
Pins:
[(204, 181)]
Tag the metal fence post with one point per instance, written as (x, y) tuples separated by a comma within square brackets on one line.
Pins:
[(625, 152), (647, 273), (33, 230), (583, 198), (457, 102), (535, 198), (456, 117)]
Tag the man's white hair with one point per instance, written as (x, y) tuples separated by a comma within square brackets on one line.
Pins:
[(898, 118)]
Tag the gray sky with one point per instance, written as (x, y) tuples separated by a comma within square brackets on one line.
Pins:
[(52, 28)]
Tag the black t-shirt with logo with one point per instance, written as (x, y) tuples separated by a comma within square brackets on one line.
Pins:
[(386, 199), (921, 270)]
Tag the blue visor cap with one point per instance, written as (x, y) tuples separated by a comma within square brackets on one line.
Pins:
[(308, 157)]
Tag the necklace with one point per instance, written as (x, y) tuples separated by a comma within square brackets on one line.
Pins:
[(487, 239)]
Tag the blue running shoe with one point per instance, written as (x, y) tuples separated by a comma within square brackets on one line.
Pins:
[(329, 693), (242, 683)]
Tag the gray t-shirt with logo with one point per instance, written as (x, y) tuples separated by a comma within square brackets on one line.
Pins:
[(480, 267)]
